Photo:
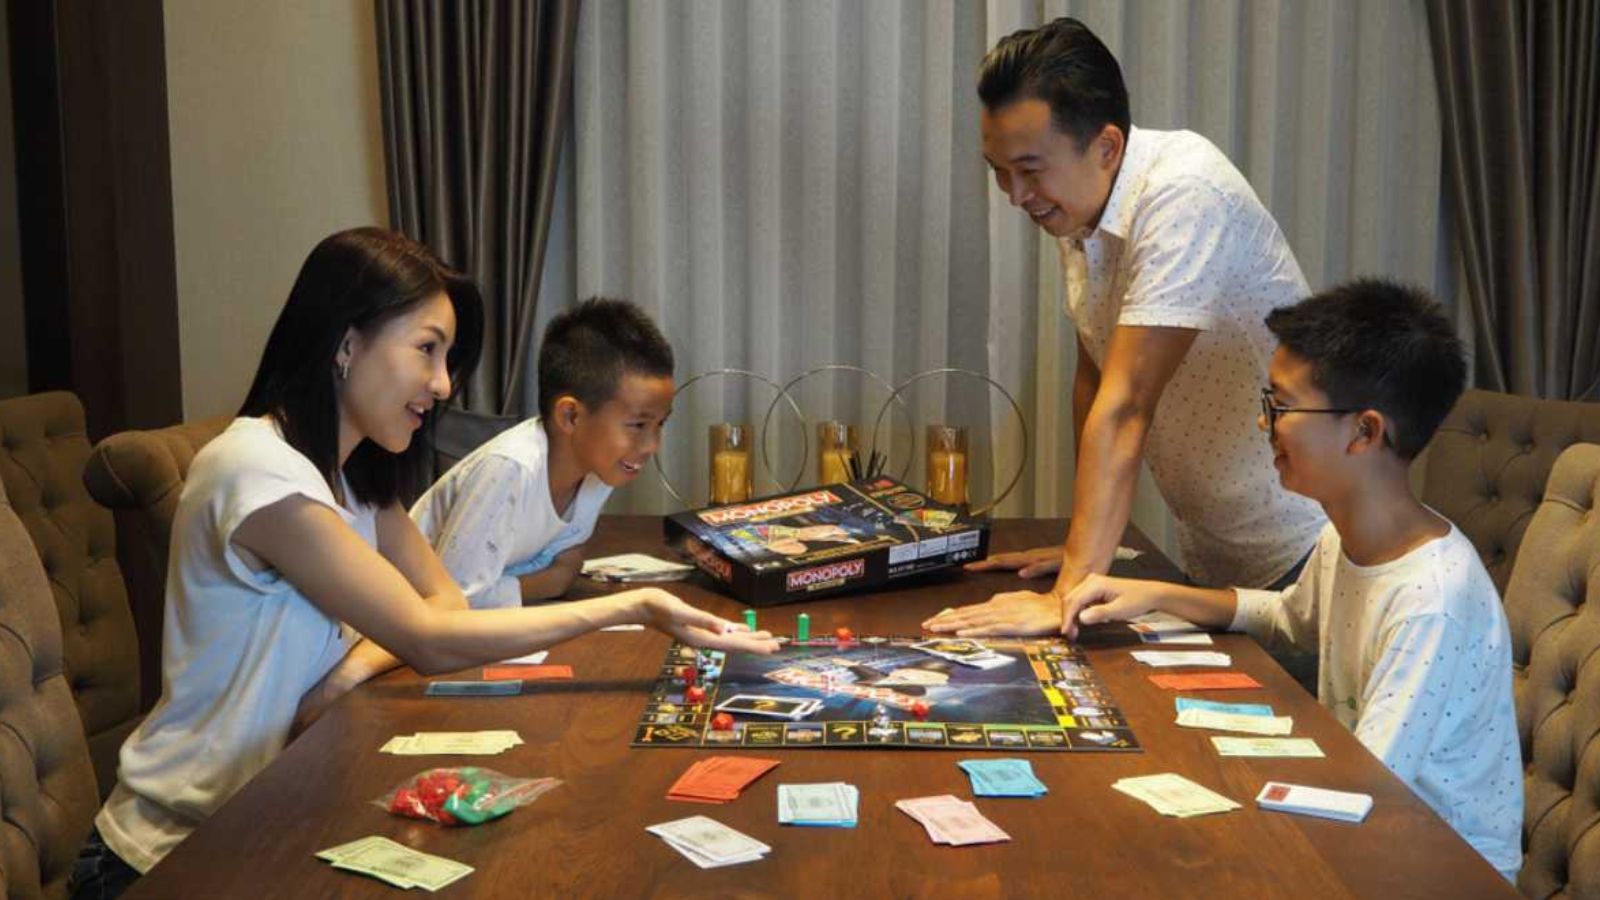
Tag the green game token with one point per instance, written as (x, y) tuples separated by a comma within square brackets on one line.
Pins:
[(803, 628), (750, 619)]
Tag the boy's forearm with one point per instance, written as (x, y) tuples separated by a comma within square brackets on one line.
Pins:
[(1207, 607), (552, 581)]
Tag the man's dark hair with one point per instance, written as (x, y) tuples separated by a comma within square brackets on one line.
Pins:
[(1375, 344), (361, 278), (1065, 65), (588, 349)]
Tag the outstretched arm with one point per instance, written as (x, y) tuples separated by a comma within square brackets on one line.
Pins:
[(350, 581)]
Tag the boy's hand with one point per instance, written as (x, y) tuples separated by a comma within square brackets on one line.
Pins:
[(698, 628), (1026, 563), (1101, 598), (1012, 613)]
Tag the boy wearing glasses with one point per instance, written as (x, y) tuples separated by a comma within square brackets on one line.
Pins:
[(1414, 648)]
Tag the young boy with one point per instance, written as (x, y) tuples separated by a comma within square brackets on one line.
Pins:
[(510, 519), (1415, 651)]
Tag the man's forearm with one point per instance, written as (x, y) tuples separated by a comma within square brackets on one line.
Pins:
[(1109, 452)]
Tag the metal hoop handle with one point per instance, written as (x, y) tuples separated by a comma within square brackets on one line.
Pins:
[(805, 424), (1022, 464), (782, 395)]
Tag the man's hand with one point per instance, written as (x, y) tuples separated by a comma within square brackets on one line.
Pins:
[(1026, 563), (1013, 613)]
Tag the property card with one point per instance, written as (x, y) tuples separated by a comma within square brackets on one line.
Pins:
[(473, 688), (719, 778), (527, 673), (1160, 623), (452, 743), (1002, 778), (396, 864), (1309, 801), (532, 659), (1174, 795), (1168, 658), (831, 804), (1219, 721), (1267, 746), (709, 843), (1208, 681), (951, 820), (1177, 637), (1237, 709), (636, 568)]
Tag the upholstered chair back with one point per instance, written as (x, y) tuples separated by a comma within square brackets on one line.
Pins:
[(1553, 606), (1486, 467), (47, 784), (139, 476), (43, 445)]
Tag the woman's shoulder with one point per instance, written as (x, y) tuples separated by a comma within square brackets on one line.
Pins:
[(250, 448)]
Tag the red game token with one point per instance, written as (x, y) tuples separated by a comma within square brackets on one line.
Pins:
[(690, 675), (920, 710), (694, 694), (722, 722), (844, 634)]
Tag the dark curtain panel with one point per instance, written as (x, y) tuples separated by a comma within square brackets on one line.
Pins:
[(1519, 91), (476, 96)]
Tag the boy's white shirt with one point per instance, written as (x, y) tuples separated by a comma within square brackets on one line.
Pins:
[(1416, 660), (490, 517)]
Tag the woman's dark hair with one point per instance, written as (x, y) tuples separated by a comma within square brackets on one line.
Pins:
[(361, 279)]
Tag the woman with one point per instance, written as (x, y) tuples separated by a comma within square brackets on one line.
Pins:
[(292, 521)]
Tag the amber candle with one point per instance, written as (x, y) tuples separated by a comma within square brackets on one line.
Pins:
[(836, 447), (730, 463), (947, 464)]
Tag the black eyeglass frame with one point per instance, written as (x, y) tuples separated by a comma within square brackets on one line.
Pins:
[(1271, 412)]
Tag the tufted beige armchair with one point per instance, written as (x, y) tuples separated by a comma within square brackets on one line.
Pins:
[(1486, 467), (47, 786), (43, 445), (139, 475), (1553, 604)]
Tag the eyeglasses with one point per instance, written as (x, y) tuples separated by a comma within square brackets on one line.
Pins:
[(1271, 411)]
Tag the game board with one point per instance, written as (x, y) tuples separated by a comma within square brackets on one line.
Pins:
[(911, 692)]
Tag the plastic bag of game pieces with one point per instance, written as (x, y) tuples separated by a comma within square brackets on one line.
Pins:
[(465, 795)]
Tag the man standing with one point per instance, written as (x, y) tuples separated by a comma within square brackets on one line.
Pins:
[(1171, 265)]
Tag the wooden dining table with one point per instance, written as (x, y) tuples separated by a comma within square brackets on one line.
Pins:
[(587, 837)]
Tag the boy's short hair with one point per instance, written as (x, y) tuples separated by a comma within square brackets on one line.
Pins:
[(1381, 345), (588, 348), (1064, 64)]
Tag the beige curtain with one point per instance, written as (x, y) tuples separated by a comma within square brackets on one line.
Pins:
[(788, 184)]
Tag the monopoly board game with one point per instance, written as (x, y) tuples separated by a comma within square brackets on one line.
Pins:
[(911, 692), (825, 540)]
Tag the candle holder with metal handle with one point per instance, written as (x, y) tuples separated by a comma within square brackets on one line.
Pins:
[(785, 392), (1022, 462), (740, 373)]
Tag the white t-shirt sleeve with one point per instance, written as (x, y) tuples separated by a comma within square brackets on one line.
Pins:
[(1404, 699), (1180, 255), (1286, 617), (260, 474), (475, 536)]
